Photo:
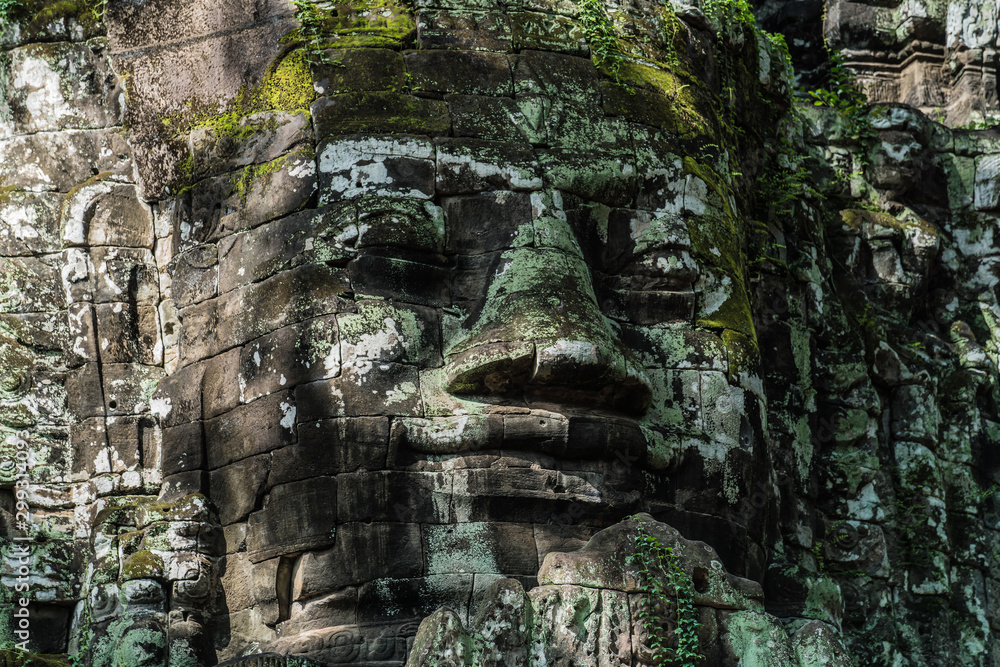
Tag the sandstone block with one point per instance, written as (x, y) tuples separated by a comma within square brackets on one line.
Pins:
[(359, 554), (332, 446), (393, 496), (479, 30), (387, 166), (474, 547), (29, 223), (236, 488), (380, 113), (129, 334), (218, 324), (295, 517), (462, 72), (194, 275), (255, 428), (66, 159), (487, 118), (501, 214), (220, 389), (61, 86), (987, 190), (372, 389), (128, 388), (288, 357), (359, 70), (178, 396)]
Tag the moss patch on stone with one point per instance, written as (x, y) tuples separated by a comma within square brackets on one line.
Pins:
[(363, 23), (286, 88), (247, 179), (663, 96), (383, 113), (857, 218), (142, 565), (35, 15), (16, 658)]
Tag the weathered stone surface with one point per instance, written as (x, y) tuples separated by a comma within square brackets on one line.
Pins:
[(295, 516), (259, 427), (58, 161), (40, 99), (583, 606), (423, 298), (333, 446)]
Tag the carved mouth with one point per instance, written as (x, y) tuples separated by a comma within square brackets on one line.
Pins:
[(554, 430)]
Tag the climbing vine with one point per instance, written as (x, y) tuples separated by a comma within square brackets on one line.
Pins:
[(601, 36), (660, 572)]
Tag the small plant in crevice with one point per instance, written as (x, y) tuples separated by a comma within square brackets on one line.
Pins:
[(13, 647), (727, 16), (660, 572), (312, 18), (848, 99), (7, 10), (601, 36), (988, 123), (99, 9)]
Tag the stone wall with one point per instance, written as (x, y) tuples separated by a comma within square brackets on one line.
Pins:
[(316, 319), (938, 56)]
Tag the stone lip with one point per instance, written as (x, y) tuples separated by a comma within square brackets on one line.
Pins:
[(558, 431), (604, 562)]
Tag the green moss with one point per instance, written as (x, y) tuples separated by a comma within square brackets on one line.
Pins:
[(285, 88), (15, 361), (288, 87), (12, 657), (856, 218), (130, 541), (712, 179), (717, 240), (742, 352), (142, 565), (245, 179), (193, 507), (385, 113), (364, 23), (663, 96), (93, 180), (6, 193), (186, 169), (734, 315), (35, 15)]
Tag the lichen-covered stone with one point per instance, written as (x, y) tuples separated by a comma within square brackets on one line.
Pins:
[(317, 317)]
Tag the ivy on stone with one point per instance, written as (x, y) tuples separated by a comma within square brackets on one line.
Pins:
[(7, 10), (601, 36), (660, 572)]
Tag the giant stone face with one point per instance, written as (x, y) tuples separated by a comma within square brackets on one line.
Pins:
[(470, 352)]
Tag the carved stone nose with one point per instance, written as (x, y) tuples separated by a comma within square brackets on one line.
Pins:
[(578, 370), (541, 334), (566, 371)]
